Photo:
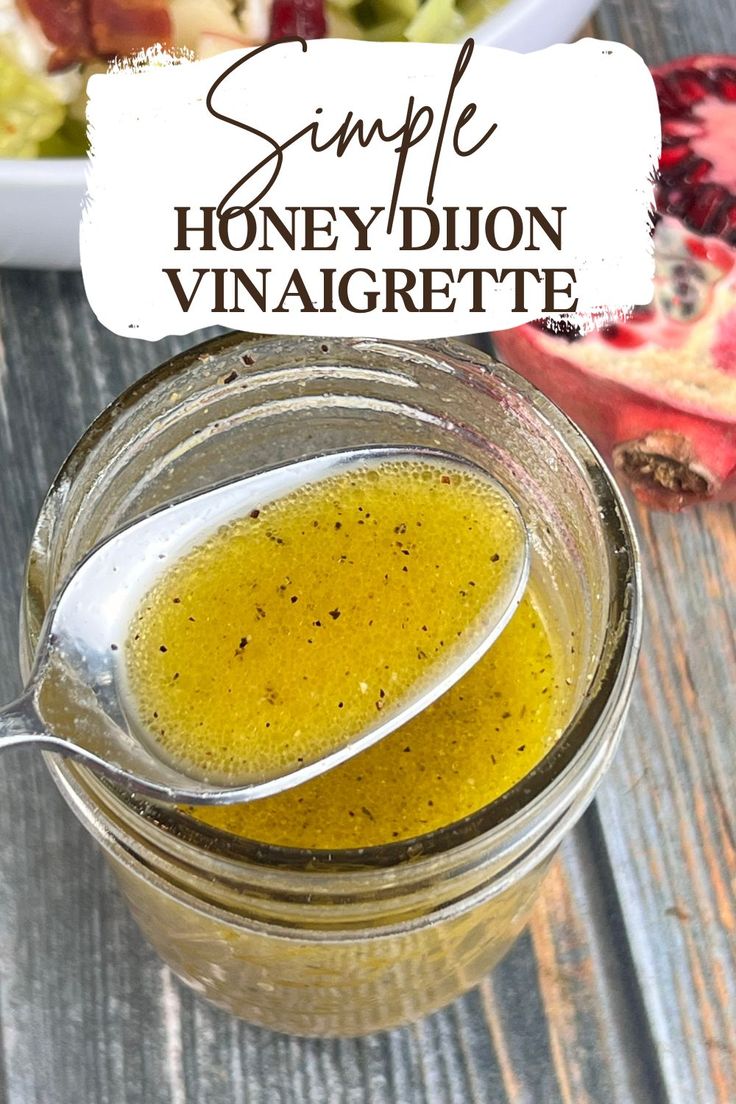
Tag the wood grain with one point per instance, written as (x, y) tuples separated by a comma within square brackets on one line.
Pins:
[(623, 991), (668, 807)]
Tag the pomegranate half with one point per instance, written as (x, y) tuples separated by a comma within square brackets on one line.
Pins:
[(657, 392)]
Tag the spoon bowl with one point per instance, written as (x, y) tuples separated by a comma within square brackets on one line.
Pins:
[(77, 701)]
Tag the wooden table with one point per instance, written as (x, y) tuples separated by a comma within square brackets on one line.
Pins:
[(622, 991)]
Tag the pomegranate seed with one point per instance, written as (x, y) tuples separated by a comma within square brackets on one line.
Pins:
[(297, 19), (699, 172), (623, 337), (674, 202), (673, 151), (724, 83), (698, 249), (708, 208), (729, 230), (688, 86), (686, 168), (668, 104)]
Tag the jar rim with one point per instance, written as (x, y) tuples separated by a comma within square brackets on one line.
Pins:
[(609, 685)]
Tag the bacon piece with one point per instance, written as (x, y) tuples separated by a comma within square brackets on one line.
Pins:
[(65, 25), (82, 29), (124, 26)]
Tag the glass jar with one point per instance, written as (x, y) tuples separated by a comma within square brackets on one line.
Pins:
[(341, 943)]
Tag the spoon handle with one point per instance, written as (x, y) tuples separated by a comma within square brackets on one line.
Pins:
[(20, 725)]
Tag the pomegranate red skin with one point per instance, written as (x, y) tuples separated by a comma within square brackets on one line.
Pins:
[(696, 450)]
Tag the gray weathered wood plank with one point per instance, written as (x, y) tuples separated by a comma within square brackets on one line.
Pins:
[(669, 807)]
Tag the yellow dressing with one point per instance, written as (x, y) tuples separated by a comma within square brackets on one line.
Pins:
[(466, 749), (303, 621)]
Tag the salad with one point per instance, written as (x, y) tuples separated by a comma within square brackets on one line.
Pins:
[(49, 48)]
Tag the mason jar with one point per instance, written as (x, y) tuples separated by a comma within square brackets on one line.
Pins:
[(353, 941)]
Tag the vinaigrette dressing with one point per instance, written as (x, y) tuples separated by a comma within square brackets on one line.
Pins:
[(302, 620)]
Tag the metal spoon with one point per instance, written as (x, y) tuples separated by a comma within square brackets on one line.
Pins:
[(75, 701)]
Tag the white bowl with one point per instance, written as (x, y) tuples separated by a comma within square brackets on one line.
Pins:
[(527, 25), (40, 201)]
